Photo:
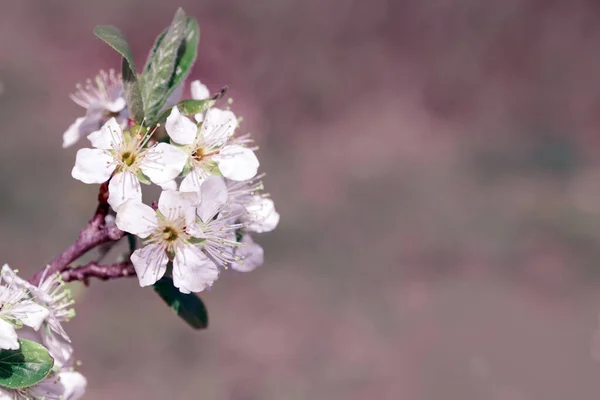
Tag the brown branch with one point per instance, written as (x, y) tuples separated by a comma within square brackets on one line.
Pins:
[(102, 272), (94, 234)]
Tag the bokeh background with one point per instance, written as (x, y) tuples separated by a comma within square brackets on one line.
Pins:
[(436, 166)]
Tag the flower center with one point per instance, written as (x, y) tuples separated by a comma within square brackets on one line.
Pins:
[(199, 153), (128, 158), (169, 234)]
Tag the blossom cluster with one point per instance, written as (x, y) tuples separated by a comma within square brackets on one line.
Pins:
[(211, 201), (36, 313), (211, 198)]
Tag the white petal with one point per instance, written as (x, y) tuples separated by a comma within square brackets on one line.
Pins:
[(108, 137), (59, 348), (11, 277), (150, 264), (6, 394), (251, 255), (74, 385), (195, 230), (8, 336), (180, 128), (67, 385), (122, 187), (170, 185), (199, 117), (163, 163), (199, 90), (93, 166), (174, 204), (115, 105), (192, 181), (29, 334), (213, 196), (83, 126), (261, 215), (137, 218), (218, 126), (56, 327), (237, 163), (193, 271), (29, 313), (73, 133)]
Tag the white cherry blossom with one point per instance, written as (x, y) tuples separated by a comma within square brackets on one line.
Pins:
[(169, 235), (210, 149), (258, 212), (217, 222), (51, 294), (102, 98), (16, 310), (123, 156)]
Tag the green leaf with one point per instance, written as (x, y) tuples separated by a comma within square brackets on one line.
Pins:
[(186, 55), (133, 95), (26, 366), (187, 52), (157, 42), (157, 78), (188, 306), (115, 39), (187, 107), (190, 107)]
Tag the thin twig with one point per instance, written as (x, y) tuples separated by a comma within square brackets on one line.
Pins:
[(102, 272), (94, 234)]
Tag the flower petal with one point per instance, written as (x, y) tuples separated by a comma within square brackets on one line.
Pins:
[(174, 204), (11, 277), (193, 271), (135, 217), (73, 133), (122, 187), (237, 163), (59, 348), (93, 166), (150, 264), (213, 196), (83, 126), (251, 255), (116, 105), (108, 137), (170, 185), (8, 336), (68, 385), (163, 163), (218, 126), (180, 128), (261, 215), (192, 181), (199, 90), (29, 313), (74, 385)]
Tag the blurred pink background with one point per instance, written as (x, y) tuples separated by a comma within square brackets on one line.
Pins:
[(436, 167)]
